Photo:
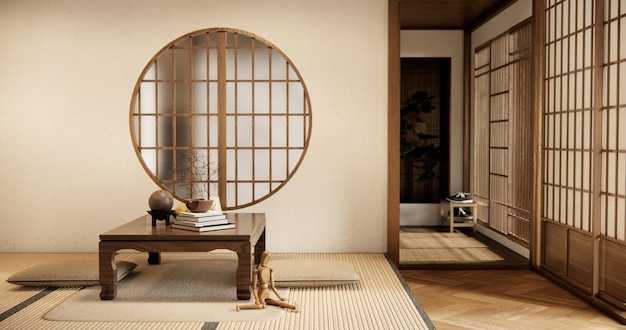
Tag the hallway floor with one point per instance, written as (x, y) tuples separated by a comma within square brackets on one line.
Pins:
[(437, 248)]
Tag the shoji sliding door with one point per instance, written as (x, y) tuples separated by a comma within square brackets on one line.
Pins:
[(568, 143), (613, 157), (583, 199)]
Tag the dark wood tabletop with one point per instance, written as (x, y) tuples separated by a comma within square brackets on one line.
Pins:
[(246, 225)]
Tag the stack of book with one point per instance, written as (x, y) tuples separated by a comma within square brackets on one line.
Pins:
[(201, 222)]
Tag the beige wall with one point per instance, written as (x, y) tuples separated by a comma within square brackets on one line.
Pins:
[(68, 169), (510, 17)]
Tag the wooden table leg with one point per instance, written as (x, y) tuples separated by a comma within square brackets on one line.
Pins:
[(244, 271), (259, 248), (154, 258), (108, 272), (441, 214), (451, 218)]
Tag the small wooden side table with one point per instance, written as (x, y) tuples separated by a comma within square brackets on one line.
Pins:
[(459, 222)]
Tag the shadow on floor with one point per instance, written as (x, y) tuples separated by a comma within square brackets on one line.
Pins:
[(437, 248)]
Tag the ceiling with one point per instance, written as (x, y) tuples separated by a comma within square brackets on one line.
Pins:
[(447, 14)]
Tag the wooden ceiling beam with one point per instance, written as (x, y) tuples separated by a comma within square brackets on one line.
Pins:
[(447, 14)]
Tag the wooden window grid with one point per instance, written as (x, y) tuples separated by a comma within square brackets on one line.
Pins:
[(232, 102), (568, 114)]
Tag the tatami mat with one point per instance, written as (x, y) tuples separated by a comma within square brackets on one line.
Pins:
[(381, 300)]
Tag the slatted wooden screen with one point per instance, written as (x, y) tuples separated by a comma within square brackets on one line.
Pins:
[(520, 203), (502, 121), (499, 134), (482, 83)]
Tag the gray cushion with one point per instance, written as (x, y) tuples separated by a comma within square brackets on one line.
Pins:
[(59, 273), (312, 272)]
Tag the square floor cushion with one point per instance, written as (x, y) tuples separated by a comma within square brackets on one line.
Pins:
[(61, 273), (312, 272)]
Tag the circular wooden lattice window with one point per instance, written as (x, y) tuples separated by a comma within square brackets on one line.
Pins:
[(220, 112)]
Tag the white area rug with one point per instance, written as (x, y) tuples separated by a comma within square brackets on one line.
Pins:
[(182, 289)]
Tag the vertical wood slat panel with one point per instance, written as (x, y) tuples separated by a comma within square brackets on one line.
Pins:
[(482, 80), (555, 247), (507, 97), (520, 151), (580, 259), (498, 218), (499, 161), (612, 276)]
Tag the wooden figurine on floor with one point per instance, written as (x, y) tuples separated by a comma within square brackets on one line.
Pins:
[(263, 280)]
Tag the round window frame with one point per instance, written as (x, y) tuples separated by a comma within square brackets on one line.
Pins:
[(307, 114)]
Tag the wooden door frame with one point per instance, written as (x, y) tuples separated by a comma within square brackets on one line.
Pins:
[(393, 130), (393, 125), (393, 133)]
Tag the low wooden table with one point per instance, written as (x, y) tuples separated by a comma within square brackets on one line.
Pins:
[(140, 235)]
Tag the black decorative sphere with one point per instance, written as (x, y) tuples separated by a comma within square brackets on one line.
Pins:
[(161, 200)]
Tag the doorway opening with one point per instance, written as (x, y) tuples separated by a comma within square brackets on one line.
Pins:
[(424, 129)]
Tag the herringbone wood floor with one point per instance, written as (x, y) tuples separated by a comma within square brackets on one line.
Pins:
[(501, 299)]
